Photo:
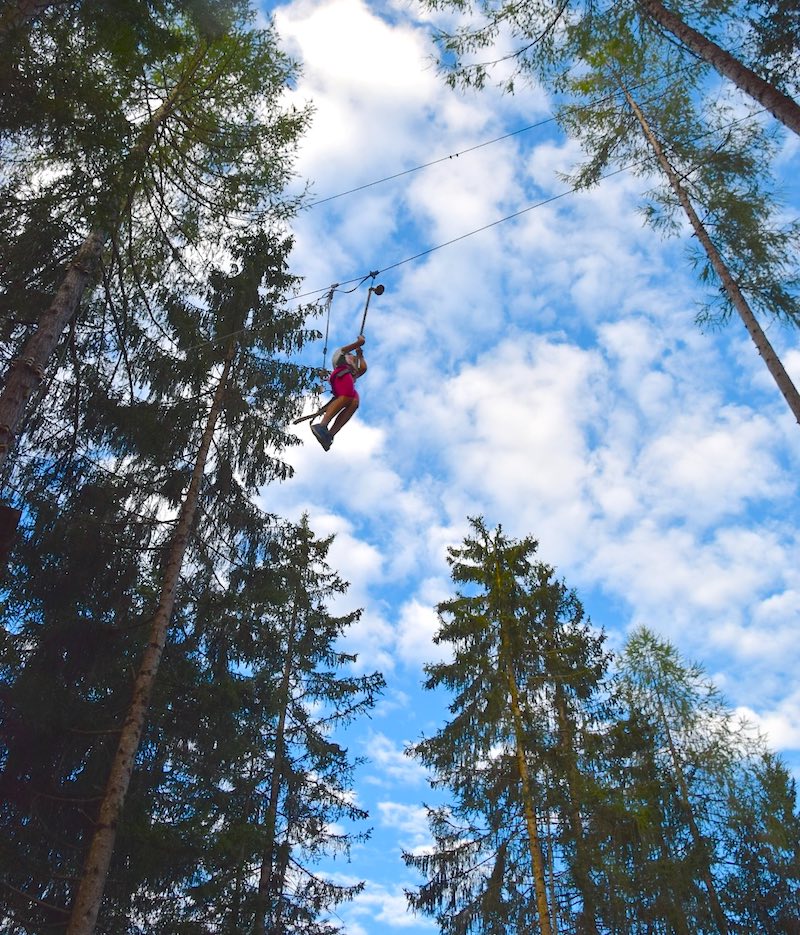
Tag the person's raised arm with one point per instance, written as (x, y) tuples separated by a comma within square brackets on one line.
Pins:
[(356, 344)]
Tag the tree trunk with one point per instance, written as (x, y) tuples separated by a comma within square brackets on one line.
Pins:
[(673, 910), (699, 841), (266, 880), (27, 370), (534, 842), (587, 924), (551, 878), (25, 373), (765, 349), (780, 105), (90, 891)]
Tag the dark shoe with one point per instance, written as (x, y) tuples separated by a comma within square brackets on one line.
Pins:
[(322, 436)]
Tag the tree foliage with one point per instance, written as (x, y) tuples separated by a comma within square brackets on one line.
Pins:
[(143, 551), (524, 674), (656, 808)]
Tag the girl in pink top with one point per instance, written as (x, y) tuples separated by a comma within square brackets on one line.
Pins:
[(347, 368)]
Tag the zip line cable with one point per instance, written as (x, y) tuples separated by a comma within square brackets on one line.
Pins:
[(433, 162), (359, 280), (497, 139)]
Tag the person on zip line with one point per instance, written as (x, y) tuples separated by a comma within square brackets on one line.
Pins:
[(347, 368)]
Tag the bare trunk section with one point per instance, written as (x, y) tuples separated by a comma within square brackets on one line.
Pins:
[(670, 901), (780, 105), (740, 303), (534, 841), (267, 875), (27, 370), (699, 841), (87, 901), (551, 878), (587, 924)]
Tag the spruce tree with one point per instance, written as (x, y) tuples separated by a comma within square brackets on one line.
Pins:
[(164, 191), (242, 786), (525, 674), (245, 319), (762, 840), (69, 637), (147, 443), (702, 760)]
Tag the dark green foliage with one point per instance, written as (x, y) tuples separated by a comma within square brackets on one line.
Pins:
[(70, 616), (510, 616), (763, 838), (240, 765), (194, 829), (184, 168), (172, 142), (705, 783), (586, 53), (197, 798), (664, 814), (776, 38)]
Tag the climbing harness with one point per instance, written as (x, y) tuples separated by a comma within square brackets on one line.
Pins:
[(378, 290)]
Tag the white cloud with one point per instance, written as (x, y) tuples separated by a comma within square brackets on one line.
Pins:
[(779, 724), (415, 630), (546, 373), (410, 821), (388, 761), (386, 906)]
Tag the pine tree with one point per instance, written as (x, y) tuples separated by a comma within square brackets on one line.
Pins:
[(524, 673), (548, 37), (780, 105), (695, 744), (17, 15), (776, 41), (645, 886), (69, 634), (217, 148), (307, 785)]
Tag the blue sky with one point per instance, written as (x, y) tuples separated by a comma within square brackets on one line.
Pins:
[(546, 373)]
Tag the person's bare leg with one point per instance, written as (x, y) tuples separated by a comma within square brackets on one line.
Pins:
[(344, 416), (333, 408)]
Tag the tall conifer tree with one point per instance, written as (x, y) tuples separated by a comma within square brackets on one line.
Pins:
[(525, 672), (743, 248), (710, 776), (708, 159), (243, 786), (547, 38), (163, 186)]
